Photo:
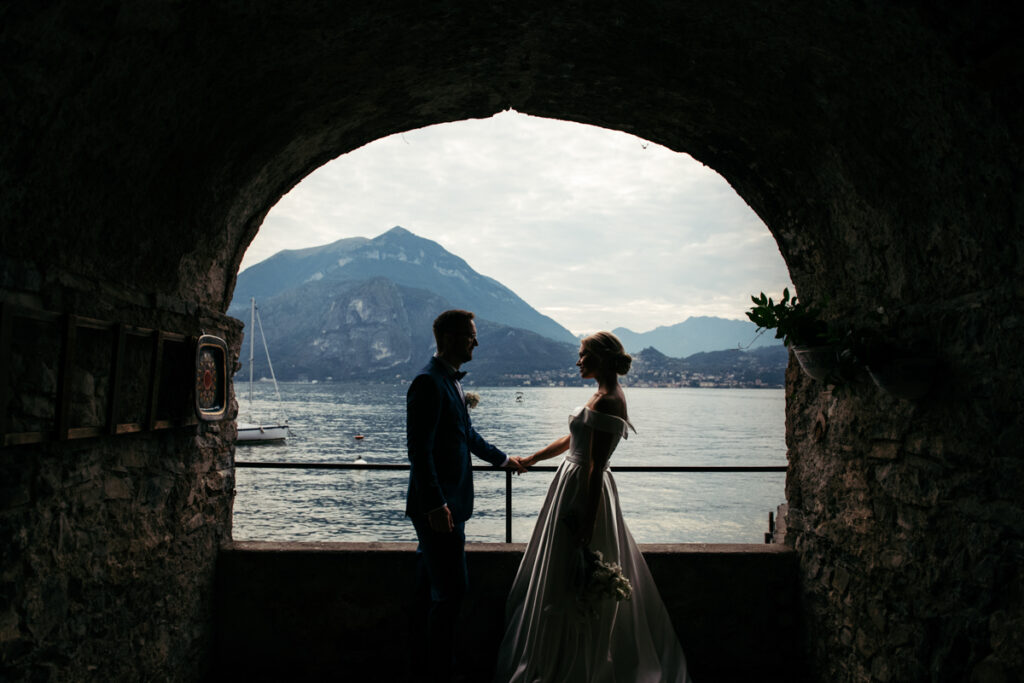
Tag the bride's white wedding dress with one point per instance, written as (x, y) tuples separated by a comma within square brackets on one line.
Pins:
[(548, 638)]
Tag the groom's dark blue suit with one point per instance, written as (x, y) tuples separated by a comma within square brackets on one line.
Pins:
[(440, 438)]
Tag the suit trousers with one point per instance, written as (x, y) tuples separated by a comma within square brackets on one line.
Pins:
[(442, 581)]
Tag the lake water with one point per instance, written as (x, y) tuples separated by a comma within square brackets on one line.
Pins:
[(675, 427)]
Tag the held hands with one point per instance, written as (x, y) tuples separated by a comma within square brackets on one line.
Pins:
[(522, 465), (516, 464), (529, 461)]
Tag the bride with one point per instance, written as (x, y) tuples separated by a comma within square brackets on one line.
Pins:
[(557, 631)]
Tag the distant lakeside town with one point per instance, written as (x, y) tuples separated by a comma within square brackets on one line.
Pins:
[(732, 369), (759, 369)]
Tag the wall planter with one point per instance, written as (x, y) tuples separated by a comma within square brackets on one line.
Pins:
[(818, 362), (904, 378), (800, 328), (835, 358)]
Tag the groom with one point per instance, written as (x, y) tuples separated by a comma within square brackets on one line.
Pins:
[(440, 499)]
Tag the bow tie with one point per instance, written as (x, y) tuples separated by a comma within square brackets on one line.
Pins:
[(459, 374)]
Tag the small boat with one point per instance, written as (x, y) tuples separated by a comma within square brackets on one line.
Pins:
[(259, 433), (251, 430)]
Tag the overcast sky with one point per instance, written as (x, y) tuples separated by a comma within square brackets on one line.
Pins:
[(595, 228)]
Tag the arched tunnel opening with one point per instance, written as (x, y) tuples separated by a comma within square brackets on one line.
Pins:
[(142, 146), (644, 236)]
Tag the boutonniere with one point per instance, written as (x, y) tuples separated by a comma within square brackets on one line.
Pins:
[(472, 399)]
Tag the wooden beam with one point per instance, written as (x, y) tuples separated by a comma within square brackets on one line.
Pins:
[(116, 373), (129, 428), (6, 390), (62, 413), (85, 432), (35, 314), (154, 378), (22, 438)]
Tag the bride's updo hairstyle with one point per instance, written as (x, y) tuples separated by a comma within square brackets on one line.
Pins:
[(609, 349)]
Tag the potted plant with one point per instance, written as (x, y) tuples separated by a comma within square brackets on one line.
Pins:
[(799, 327)]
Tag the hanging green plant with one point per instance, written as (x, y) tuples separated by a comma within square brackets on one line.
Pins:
[(795, 323), (800, 328), (830, 354)]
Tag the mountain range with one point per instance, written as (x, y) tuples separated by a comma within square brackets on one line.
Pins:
[(379, 330), (697, 335), (405, 259), (761, 367), (361, 309)]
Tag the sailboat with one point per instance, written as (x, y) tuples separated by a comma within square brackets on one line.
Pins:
[(253, 430)]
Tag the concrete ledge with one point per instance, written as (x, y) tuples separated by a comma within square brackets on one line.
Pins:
[(337, 611)]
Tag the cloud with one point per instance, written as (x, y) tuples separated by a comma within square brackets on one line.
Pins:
[(595, 228)]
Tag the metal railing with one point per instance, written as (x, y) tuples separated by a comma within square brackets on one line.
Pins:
[(508, 473)]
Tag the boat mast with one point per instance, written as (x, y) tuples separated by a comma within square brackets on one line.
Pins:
[(252, 345), (269, 364)]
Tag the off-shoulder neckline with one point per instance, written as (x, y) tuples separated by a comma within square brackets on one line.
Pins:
[(623, 420), (598, 412)]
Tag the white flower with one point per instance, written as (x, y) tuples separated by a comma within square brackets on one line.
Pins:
[(597, 579), (472, 399)]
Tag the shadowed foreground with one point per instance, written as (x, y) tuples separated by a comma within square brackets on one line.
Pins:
[(337, 611)]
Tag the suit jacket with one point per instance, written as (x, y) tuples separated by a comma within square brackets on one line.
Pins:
[(440, 438)]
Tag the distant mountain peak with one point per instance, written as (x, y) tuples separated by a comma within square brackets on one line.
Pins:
[(407, 260), (694, 335), (399, 235)]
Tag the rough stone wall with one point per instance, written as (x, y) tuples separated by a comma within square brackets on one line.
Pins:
[(108, 544), (109, 549), (907, 515)]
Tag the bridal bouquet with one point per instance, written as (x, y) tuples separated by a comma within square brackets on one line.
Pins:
[(597, 579)]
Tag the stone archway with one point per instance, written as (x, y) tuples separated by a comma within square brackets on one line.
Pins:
[(144, 144)]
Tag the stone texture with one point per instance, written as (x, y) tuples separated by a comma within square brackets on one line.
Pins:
[(102, 579), (141, 144), (917, 564)]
